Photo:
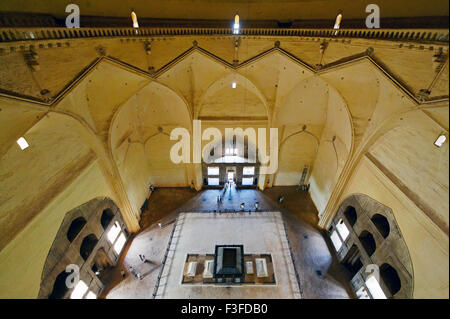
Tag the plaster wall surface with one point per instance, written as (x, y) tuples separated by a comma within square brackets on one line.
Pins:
[(22, 260), (427, 244)]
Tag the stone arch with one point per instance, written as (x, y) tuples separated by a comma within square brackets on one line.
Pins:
[(75, 228), (60, 288), (391, 279), (242, 83), (106, 218), (382, 224), (368, 242), (153, 111), (87, 246)]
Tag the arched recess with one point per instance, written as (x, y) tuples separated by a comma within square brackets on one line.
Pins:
[(368, 242), (297, 152), (106, 218), (60, 288), (390, 278), (382, 224), (351, 215), (87, 246), (75, 228), (300, 116), (221, 100), (241, 159), (335, 149), (140, 144)]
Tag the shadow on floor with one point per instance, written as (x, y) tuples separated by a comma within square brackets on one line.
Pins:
[(321, 276)]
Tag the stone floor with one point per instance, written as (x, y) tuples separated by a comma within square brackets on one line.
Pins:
[(321, 276), (259, 232)]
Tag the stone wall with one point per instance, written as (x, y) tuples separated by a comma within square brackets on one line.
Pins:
[(64, 252), (390, 247)]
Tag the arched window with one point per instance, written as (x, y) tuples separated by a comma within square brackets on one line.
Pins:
[(59, 287), (87, 246), (75, 227), (390, 278), (368, 242), (350, 214), (106, 218), (382, 224)]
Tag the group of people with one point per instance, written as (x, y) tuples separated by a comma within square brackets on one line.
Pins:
[(132, 271)]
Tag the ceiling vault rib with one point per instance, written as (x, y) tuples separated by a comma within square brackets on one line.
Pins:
[(341, 63)]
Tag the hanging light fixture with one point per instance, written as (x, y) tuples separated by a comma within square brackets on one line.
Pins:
[(134, 19), (337, 23), (236, 24)]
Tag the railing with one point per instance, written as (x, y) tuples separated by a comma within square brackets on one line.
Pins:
[(163, 263), (33, 34), (292, 257)]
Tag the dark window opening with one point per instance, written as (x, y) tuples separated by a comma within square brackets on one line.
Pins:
[(390, 278), (87, 246), (382, 224), (75, 227), (59, 287), (368, 242), (352, 261), (106, 218), (95, 269), (350, 214)]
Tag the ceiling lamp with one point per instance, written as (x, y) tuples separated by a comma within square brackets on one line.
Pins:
[(134, 19), (440, 140), (337, 24), (22, 143), (236, 24)]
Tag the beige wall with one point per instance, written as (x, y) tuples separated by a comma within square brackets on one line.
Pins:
[(428, 245), (22, 260), (117, 119)]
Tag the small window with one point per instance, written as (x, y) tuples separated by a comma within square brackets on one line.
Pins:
[(440, 140), (75, 227), (87, 246), (342, 229), (79, 290), (213, 181), (382, 224), (59, 287), (120, 243), (106, 218), (337, 243), (213, 170), (368, 242), (390, 278), (350, 214), (246, 181), (248, 170), (23, 144), (113, 232)]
